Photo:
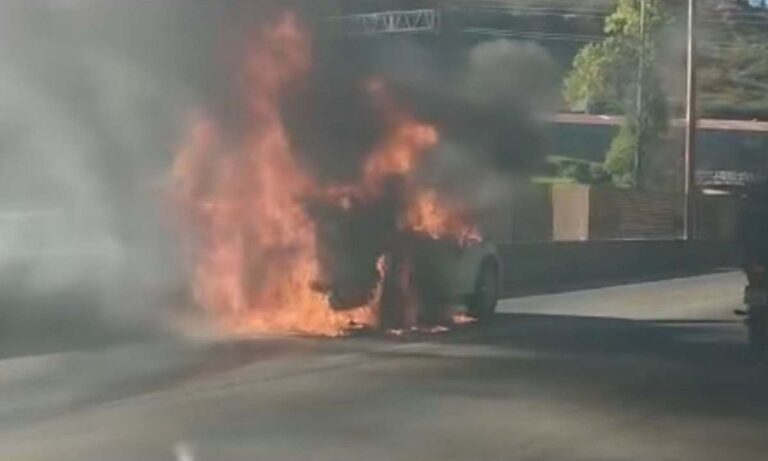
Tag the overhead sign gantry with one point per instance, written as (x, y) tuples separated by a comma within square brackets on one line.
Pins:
[(392, 22)]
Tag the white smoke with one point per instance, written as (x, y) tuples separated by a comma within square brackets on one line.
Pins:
[(85, 146)]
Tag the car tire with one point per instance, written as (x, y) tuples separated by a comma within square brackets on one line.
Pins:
[(483, 301)]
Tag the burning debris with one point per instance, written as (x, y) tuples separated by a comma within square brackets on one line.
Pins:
[(278, 249)]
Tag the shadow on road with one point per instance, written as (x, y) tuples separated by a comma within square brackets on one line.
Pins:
[(690, 367), (686, 341)]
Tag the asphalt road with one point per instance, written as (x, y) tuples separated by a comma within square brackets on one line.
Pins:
[(653, 371)]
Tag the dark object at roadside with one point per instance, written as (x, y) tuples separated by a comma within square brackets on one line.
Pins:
[(754, 240)]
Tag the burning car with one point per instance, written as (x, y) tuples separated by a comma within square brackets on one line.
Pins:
[(413, 259), (278, 247), (431, 276)]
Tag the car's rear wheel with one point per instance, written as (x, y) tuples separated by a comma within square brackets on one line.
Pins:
[(482, 303)]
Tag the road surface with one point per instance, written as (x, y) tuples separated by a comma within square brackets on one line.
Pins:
[(653, 371)]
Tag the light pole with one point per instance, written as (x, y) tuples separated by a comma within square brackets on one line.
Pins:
[(689, 207), (640, 99)]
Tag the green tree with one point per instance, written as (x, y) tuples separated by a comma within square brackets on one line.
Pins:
[(733, 61), (620, 160), (604, 78)]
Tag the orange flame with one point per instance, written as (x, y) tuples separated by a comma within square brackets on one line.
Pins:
[(427, 214), (409, 139), (400, 154), (256, 257)]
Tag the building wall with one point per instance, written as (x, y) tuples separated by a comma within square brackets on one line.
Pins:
[(526, 216), (581, 213), (718, 218), (722, 145), (631, 214), (570, 212)]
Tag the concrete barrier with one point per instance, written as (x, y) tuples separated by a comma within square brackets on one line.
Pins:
[(549, 266)]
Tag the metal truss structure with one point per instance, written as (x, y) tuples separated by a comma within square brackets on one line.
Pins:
[(392, 22)]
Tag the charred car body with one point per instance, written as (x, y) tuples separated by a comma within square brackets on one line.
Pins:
[(419, 278)]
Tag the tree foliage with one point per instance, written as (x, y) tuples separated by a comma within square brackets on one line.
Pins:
[(604, 78), (604, 74), (620, 159)]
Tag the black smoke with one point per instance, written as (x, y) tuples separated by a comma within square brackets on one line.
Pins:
[(485, 102), (484, 99)]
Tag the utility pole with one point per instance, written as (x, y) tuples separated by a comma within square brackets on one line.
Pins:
[(638, 166), (689, 208)]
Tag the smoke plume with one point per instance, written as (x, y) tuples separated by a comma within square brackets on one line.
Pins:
[(93, 108)]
